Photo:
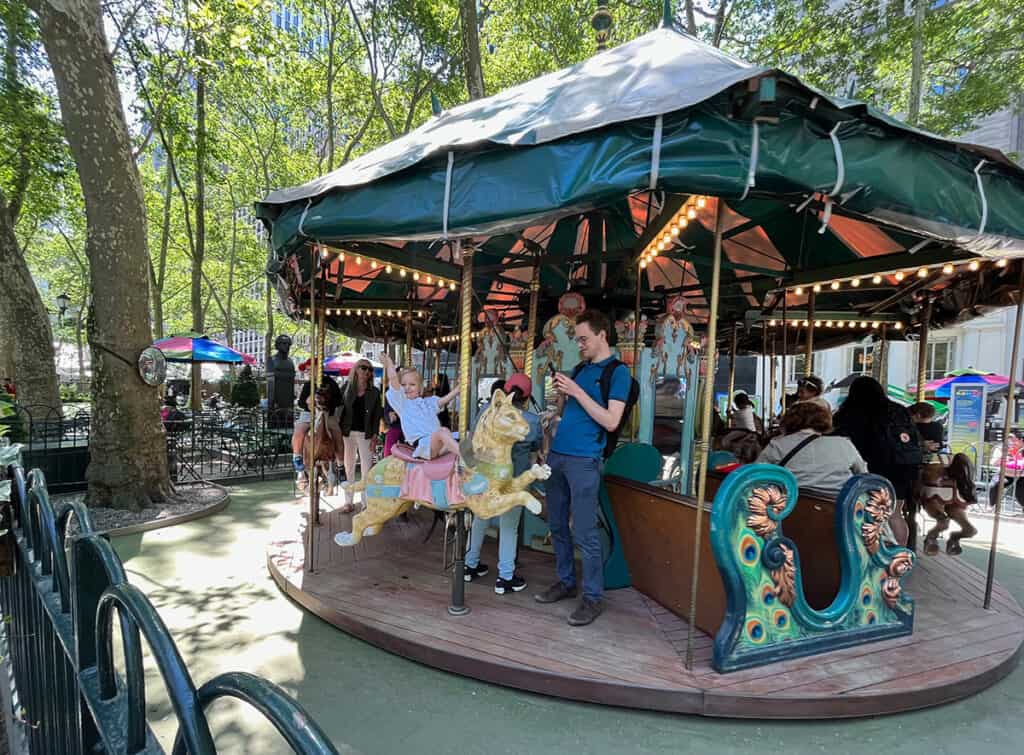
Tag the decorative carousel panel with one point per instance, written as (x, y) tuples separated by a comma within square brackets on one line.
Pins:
[(768, 618), (559, 346), (674, 340)]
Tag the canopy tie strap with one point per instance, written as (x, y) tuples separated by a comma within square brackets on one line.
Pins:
[(984, 200), (302, 218), (659, 125), (447, 194), (837, 148), (754, 152)]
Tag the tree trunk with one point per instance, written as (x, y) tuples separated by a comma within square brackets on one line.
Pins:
[(229, 318), (268, 340), (28, 325), (332, 26), (471, 49), (7, 344), (691, 19), (127, 447), (198, 318), (916, 63)]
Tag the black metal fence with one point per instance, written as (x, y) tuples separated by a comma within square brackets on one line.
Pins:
[(218, 445), (59, 607)]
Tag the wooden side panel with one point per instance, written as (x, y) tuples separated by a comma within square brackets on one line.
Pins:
[(656, 527)]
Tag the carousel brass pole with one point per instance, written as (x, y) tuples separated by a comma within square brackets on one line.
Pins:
[(531, 323), (764, 375), (881, 366), (732, 364), (705, 439), (809, 346), (774, 377), (465, 338), (314, 379), (1007, 424), (785, 346), (408, 328), (635, 369), (922, 350)]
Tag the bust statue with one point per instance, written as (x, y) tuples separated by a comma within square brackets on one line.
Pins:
[(280, 384)]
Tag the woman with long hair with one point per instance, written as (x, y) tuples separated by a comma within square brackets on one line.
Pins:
[(361, 412), (886, 438)]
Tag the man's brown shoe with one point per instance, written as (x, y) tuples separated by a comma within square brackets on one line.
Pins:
[(586, 612), (555, 593)]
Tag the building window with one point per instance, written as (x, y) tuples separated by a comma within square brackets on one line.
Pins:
[(941, 355), (861, 360), (795, 367)]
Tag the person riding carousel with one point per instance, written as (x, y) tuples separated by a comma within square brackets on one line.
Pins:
[(419, 415)]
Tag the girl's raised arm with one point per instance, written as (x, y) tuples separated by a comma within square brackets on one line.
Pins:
[(392, 372)]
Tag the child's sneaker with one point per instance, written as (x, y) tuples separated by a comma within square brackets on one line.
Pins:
[(473, 573), (503, 586)]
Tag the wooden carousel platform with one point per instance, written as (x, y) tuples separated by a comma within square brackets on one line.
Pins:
[(391, 591)]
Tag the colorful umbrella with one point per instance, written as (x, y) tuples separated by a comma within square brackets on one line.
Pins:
[(940, 388), (342, 364), (192, 347)]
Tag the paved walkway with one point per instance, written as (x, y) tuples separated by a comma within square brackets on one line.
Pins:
[(210, 583)]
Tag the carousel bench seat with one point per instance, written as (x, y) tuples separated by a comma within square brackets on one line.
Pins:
[(656, 530)]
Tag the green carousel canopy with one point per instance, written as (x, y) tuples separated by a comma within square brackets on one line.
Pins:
[(580, 171)]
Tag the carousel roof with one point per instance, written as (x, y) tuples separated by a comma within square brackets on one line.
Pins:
[(581, 168)]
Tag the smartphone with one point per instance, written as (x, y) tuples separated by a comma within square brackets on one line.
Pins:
[(552, 370)]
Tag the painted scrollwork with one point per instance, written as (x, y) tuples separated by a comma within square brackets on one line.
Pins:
[(760, 503), (778, 558), (879, 506), (899, 567)]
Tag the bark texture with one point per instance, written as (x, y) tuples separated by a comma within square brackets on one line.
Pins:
[(471, 49), (26, 325), (128, 459)]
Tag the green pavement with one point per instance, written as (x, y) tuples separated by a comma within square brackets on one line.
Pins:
[(209, 581)]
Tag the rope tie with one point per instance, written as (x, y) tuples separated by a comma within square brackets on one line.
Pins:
[(656, 152), (837, 149), (754, 152), (302, 218), (984, 200), (447, 195)]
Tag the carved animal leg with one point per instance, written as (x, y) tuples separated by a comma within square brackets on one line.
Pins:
[(526, 479), (959, 515), (371, 519), (931, 540), (486, 506)]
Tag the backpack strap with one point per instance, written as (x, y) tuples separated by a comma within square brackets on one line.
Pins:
[(606, 379), (799, 446)]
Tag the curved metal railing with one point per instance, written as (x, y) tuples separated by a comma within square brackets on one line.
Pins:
[(59, 608)]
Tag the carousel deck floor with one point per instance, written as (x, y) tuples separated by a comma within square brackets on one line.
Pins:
[(390, 591)]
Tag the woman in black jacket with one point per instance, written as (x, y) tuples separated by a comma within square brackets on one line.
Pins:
[(360, 415), (886, 438)]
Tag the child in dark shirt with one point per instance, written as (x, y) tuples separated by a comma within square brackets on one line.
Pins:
[(923, 415)]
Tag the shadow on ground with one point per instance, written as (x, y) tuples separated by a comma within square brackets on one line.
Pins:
[(210, 582)]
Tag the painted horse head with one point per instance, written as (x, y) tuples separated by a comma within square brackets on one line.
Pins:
[(500, 426)]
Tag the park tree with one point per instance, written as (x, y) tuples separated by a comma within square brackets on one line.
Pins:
[(32, 158), (128, 458)]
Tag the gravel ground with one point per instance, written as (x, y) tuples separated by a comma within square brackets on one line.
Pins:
[(192, 497)]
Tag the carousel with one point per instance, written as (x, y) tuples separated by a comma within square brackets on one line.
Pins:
[(706, 205)]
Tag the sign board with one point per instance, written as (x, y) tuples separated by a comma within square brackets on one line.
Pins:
[(967, 420)]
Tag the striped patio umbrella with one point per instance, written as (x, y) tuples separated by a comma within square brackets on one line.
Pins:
[(192, 347), (342, 364), (941, 388)]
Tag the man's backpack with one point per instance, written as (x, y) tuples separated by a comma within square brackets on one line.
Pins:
[(899, 440), (611, 438)]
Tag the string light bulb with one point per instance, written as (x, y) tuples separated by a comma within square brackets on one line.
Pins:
[(855, 283), (922, 273), (947, 269), (772, 323), (359, 260), (973, 266), (876, 279), (799, 290), (387, 269), (401, 271), (683, 222), (834, 285), (1002, 263), (900, 276), (373, 264), (691, 213), (817, 288), (899, 326), (828, 323), (702, 202), (674, 231), (415, 276), (451, 285)]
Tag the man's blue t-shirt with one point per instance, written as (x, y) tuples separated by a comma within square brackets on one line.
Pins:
[(578, 434)]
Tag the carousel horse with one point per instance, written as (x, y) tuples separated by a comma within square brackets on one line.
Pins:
[(326, 438), (946, 492), (488, 489)]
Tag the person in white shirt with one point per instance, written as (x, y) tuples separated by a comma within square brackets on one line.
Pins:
[(743, 415), (819, 461)]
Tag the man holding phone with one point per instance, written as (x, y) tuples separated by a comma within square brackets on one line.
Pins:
[(576, 463)]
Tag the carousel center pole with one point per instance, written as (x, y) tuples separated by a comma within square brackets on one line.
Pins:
[(408, 329), (705, 434), (531, 323), (458, 606), (773, 378), (809, 346), (1007, 423), (922, 350)]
